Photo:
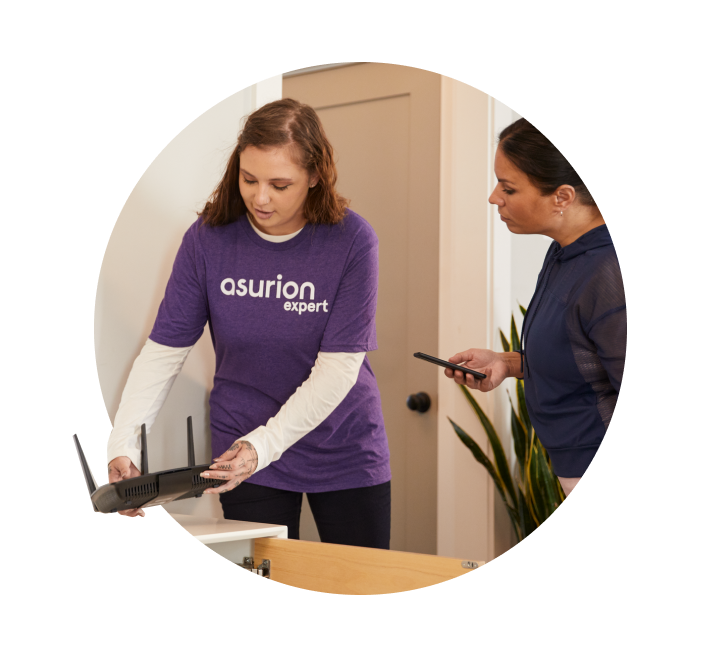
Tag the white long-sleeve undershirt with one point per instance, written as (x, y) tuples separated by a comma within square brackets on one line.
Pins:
[(151, 377), (156, 367)]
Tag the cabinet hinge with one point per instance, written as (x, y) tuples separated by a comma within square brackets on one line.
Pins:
[(249, 565)]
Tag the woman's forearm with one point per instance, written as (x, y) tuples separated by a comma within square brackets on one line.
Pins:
[(330, 380), (515, 364)]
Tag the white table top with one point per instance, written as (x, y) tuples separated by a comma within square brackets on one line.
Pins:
[(212, 531)]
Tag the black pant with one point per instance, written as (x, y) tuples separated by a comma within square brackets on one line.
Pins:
[(355, 517)]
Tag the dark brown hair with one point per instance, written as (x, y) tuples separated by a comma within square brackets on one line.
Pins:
[(281, 123), (536, 156)]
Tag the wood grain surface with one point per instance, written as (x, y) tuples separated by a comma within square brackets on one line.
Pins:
[(337, 569)]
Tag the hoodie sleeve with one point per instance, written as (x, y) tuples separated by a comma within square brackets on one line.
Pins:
[(604, 315), (609, 334)]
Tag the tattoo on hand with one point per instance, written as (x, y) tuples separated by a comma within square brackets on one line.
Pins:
[(252, 461)]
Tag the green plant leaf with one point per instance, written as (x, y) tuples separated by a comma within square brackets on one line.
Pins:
[(561, 493), (478, 453), (530, 493), (514, 338), (544, 452), (501, 461), (532, 490), (504, 341), (481, 457), (535, 492), (545, 494), (519, 436), (556, 482), (526, 521), (522, 406)]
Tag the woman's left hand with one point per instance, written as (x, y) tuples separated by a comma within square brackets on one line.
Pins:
[(236, 464)]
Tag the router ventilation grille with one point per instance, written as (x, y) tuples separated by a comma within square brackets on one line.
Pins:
[(141, 490), (203, 483)]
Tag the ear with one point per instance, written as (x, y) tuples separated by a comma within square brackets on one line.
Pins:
[(563, 197), (314, 178)]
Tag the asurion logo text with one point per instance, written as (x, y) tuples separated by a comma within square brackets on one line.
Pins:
[(290, 290)]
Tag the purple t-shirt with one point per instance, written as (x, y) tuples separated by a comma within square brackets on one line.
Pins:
[(271, 308)]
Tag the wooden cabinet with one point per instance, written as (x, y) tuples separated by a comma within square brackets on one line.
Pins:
[(322, 567)]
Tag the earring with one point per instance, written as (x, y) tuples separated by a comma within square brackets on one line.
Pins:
[(561, 213)]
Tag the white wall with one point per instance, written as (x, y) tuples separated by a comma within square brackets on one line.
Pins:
[(136, 268), (528, 253)]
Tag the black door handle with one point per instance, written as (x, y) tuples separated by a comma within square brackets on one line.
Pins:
[(419, 402)]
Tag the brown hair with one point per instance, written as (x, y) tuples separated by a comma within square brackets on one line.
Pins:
[(280, 123), (538, 158)]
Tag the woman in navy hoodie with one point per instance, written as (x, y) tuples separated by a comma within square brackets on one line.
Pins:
[(574, 331)]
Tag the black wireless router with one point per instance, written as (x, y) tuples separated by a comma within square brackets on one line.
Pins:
[(148, 489)]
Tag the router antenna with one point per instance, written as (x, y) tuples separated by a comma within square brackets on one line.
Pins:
[(191, 445), (143, 448), (89, 477)]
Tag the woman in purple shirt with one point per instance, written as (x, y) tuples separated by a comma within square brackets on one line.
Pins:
[(286, 277)]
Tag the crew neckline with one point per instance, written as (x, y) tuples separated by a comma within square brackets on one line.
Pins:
[(261, 239), (274, 238)]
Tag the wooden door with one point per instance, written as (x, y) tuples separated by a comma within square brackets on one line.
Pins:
[(384, 124)]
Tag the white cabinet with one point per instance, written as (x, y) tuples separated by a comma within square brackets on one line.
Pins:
[(233, 540)]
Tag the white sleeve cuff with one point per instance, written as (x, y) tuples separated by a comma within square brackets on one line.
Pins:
[(330, 380), (151, 378)]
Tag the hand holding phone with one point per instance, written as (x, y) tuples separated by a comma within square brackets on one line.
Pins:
[(447, 364)]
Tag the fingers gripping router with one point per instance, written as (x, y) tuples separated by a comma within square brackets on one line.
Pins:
[(148, 489)]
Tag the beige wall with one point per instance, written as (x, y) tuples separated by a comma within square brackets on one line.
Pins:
[(136, 268)]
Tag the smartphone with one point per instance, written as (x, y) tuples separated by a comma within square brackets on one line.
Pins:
[(447, 364)]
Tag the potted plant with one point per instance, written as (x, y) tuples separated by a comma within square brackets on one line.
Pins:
[(532, 493)]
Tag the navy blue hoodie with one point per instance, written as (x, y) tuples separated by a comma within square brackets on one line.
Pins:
[(574, 334)]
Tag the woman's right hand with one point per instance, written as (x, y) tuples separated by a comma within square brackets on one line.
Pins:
[(122, 468), (496, 365)]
